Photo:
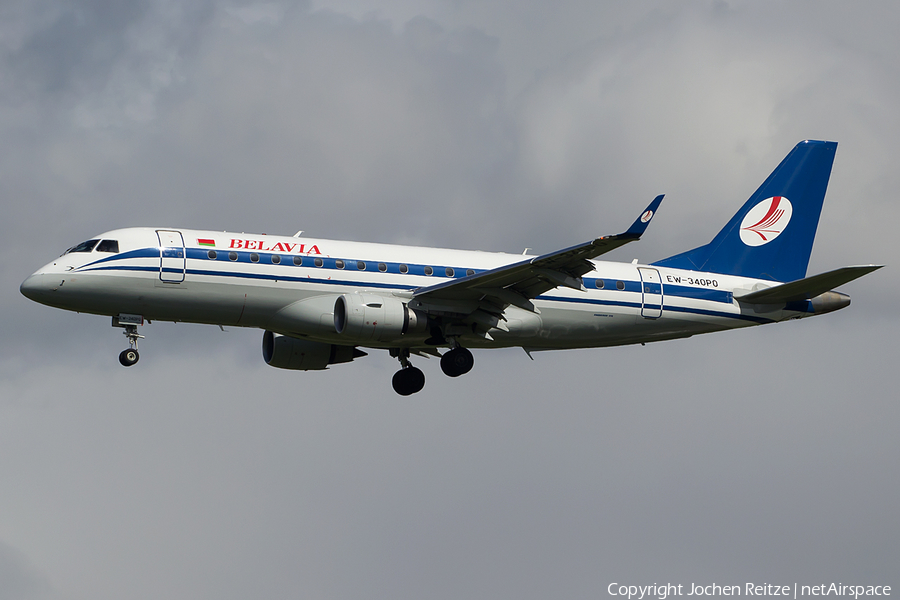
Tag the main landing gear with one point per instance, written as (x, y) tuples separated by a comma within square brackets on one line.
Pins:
[(457, 361), (129, 323), (408, 380)]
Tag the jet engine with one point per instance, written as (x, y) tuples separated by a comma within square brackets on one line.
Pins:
[(286, 352), (362, 317)]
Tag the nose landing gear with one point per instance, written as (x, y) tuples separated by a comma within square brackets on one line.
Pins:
[(129, 323)]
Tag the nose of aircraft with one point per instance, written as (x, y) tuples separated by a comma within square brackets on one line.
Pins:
[(33, 287)]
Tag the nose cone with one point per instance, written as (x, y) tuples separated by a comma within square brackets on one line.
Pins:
[(33, 288)]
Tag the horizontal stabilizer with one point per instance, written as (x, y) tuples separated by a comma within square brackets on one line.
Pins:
[(806, 288)]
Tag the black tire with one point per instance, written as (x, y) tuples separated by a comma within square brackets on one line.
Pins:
[(129, 357), (456, 362), (408, 381)]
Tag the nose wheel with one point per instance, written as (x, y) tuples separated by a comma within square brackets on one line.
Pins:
[(129, 356)]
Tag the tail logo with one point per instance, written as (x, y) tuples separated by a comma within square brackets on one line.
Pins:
[(646, 216), (765, 221)]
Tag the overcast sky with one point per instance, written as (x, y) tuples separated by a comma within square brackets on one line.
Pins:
[(764, 455)]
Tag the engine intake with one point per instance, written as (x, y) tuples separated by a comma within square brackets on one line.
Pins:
[(286, 352), (361, 317)]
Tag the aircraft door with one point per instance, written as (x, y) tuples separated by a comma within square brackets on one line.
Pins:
[(171, 256), (652, 297)]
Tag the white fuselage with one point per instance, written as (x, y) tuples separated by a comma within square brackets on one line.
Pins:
[(289, 284)]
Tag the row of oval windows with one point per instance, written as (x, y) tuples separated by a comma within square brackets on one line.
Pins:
[(340, 264), (361, 265)]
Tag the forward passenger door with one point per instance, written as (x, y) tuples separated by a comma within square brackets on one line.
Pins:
[(171, 256)]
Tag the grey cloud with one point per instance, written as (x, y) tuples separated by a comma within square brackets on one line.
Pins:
[(18, 579), (677, 460), (78, 48), (65, 56)]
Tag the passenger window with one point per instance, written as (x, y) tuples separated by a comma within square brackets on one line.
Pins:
[(361, 265), (382, 267), (254, 257), (599, 283), (232, 256), (83, 246), (449, 271), (108, 246), (298, 260), (276, 260), (319, 262), (620, 285), (339, 264), (470, 272), (212, 254), (429, 271), (404, 268)]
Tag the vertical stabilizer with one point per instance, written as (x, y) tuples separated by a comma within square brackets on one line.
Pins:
[(771, 236)]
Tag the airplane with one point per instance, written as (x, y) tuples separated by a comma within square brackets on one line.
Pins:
[(319, 301)]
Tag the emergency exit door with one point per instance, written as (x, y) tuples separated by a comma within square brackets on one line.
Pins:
[(652, 293)]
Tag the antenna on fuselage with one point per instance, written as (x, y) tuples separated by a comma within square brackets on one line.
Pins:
[(297, 234)]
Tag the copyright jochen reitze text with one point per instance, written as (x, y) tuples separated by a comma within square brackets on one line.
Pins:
[(664, 590)]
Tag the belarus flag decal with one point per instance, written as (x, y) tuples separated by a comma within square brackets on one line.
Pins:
[(206, 242)]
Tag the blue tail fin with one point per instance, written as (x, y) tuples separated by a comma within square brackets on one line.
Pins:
[(771, 236)]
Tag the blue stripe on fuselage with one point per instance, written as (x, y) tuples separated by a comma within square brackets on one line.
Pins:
[(328, 263), (609, 285), (712, 295)]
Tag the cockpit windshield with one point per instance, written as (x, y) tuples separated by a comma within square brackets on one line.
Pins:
[(83, 247), (92, 245), (108, 246)]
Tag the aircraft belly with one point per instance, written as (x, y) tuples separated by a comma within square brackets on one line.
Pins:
[(569, 325), (265, 303), (614, 326), (142, 294), (189, 301)]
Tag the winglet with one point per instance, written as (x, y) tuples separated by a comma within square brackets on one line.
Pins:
[(640, 224)]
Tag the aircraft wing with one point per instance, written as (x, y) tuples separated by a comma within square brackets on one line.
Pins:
[(520, 282)]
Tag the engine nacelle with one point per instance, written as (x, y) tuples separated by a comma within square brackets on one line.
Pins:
[(287, 352), (361, 317), (312, 316)]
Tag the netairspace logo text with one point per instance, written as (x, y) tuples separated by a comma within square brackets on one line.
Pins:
[(663, 591)]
